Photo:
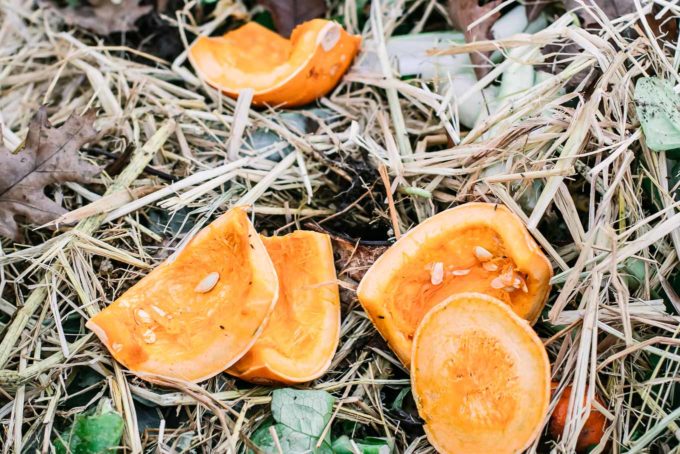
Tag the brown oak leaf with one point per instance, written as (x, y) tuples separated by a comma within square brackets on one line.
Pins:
[(102, 16), (49, 156), (464, 13), (288, 14)]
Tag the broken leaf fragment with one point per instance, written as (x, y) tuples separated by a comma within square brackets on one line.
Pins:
[(279, 71), (98, 433), (657, 108)]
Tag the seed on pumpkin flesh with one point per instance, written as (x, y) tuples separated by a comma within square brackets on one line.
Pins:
[(489, 266), (143, 316), (149, 336), (437, 273), (482, 254), (208, 282)]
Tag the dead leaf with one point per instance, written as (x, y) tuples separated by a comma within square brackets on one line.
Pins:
[(49, 156), (464, 13), (354, 259), (612, 8), (102, 17), (288, 14)]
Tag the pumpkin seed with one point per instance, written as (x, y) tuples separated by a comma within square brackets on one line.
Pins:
[(437, 274), (482, 254), (208, 282)]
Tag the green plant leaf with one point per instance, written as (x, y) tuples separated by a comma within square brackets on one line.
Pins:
[(92, 434), (656, 104), (369, 445), (299, 418)]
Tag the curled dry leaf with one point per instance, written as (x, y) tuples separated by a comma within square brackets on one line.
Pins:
[(288, 14), (353, 259), (49, 156), (464, 13), (102, 16)]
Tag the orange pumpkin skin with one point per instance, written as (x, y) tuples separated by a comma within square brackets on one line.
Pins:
[(280, 71), (170, 324), (480, 376), (591, 433), (302, 334), (402, 285)]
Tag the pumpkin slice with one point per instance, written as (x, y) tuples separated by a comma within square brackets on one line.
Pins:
[(280, 71), (199, 312), (302, 334), (476, 247), (480, 376)]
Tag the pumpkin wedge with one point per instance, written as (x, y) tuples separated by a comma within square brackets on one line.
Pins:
[(302, 334), (198, 312), (480, 377), (475, 247), (279, 71)]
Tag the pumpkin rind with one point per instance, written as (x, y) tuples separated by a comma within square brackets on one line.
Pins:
[(480, 377), (175, 324), (302, 334), (403, 284), (591, 433), (280, 71)]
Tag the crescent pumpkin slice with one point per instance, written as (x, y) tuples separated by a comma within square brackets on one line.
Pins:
[(302, 334), (480, 376), (280, 71), (199, 312), (475, 247)]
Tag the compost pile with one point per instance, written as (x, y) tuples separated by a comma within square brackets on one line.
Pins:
[(566, 113)]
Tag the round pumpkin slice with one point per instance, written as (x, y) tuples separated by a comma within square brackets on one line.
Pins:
[(480, 377), (302, 334), (198, 312), (279, 71), (475, 247)]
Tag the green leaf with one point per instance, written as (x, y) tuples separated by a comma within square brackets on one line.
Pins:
[(92, 434), (299, 418), (657, 109), (303, 411), (369, 445)]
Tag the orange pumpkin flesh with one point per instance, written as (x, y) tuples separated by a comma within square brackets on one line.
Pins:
[(302, 334), (591, 433), (174, 323), (476, 247), (480, 376), (280, 71)]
